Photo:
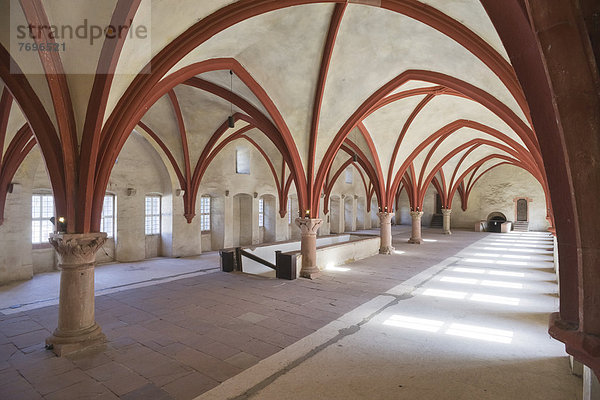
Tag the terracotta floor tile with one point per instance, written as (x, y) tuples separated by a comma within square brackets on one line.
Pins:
[(216, 349), (148, 392), (207, 365), (189, 386), (258, 348), (34, 338), (243, 360), (52, 383), (87, 389)]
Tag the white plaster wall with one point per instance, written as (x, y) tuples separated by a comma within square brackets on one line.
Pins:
[(403, 210), (138, 167), (294, 232), (345, 217), (428, 206), (496, 191), (223, 184), (16, 261), (44, 258)]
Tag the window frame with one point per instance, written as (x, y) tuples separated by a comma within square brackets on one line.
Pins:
[(261, 212), (152, 215), (205, 214), (349, 178), (242, 154), (112, 217), (43, 218)]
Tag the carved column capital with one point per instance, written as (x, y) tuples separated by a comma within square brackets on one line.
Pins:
[(309, 226), (385, 217), (416, 214), (446, 211), (76, 249)]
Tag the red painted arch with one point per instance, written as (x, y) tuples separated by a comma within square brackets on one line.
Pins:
[(403, 132), (228, 16), (17, 150), (422, 187), (187, 76), (180, 177), (35, 14), (124, 12), (474, 93), (278, 132), (334, 26), (40, 123), (5, 106), (449, 129)]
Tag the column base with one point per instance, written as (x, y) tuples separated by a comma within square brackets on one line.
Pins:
[(414, 241), (311, 273), (585, 348), (447, 233), (388, 250), (65, 343)]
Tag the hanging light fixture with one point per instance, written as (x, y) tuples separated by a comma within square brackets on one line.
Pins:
[(230, 119)]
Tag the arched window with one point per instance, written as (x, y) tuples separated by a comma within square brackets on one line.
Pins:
[(349, 174), (242, 161)]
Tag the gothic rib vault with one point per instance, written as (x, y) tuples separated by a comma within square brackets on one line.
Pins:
[(410, 93)]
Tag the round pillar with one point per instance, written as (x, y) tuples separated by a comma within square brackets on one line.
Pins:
[(446, 216), (77, 328), (308, 246), (415, 237), (385, 229)]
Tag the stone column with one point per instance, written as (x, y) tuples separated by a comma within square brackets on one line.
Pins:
[(385, 229), (415, 237), (77, 327), (446, 212), (308, 246)]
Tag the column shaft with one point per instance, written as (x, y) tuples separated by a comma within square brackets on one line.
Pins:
[(415, 237), (385, 229), (446, 218), (308, 246)]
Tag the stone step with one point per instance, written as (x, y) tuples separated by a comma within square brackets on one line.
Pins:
[(521, 226), (437, 221)]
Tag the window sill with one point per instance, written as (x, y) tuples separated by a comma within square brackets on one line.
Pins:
[(41, 246)]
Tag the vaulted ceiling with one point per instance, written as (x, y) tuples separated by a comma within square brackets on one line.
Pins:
[(417, 92)]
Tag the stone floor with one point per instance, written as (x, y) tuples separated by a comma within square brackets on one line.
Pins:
[(342, 335)]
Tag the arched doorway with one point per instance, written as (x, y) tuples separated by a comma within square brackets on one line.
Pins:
[(374, 217), (522, 211), (349, 217), (334, 211), (360, 213), (268, 209), (217, 222), (242, 220)]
